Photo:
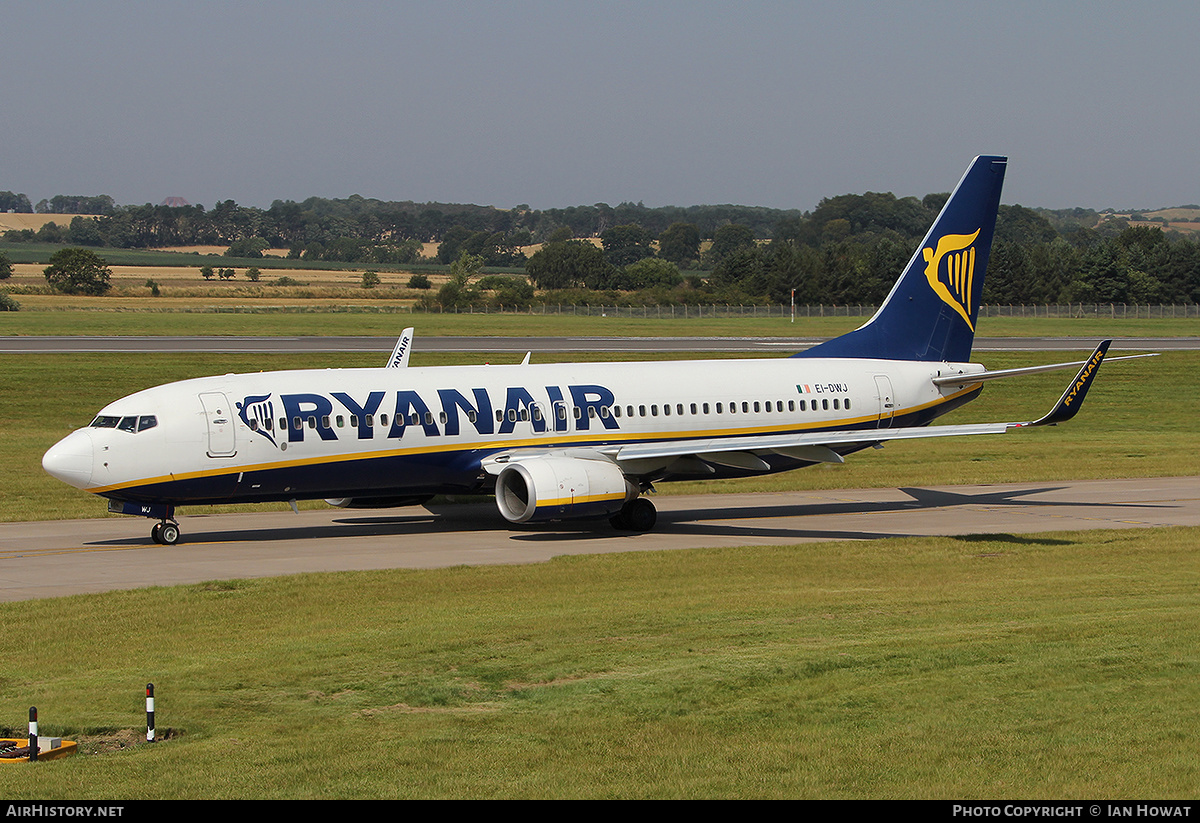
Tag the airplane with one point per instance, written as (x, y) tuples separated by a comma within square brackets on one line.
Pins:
[(565, 441)]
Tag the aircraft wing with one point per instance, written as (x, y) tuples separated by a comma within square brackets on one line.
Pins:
[(817, 447)]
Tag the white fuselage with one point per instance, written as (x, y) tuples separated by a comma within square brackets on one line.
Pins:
[(377, 432)]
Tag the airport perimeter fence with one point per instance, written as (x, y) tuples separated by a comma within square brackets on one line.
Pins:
[(1106, 310), (1116, 311)]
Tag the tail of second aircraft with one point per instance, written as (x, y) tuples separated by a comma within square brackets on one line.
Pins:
[(931, 311)]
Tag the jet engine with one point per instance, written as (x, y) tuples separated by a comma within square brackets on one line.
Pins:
[(560, 488)]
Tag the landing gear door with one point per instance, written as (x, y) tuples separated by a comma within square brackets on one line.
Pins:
[(887, 401), (220, 421)]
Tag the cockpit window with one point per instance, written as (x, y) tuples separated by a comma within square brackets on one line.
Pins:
[(132, 423)]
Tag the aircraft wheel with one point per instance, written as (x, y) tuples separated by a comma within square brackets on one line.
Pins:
[(638, 515), (168, 534), (156, 533)]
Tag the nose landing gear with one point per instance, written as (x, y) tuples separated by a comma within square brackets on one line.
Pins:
[(165, 533)]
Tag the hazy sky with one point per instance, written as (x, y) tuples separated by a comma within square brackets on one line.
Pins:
[(568, 103)]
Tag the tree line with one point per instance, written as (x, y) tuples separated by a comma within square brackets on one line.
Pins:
[(848, 250)]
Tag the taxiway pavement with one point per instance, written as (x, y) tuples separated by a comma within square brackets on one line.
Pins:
[(56, 558)]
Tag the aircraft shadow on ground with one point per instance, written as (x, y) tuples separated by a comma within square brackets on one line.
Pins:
[(698, 522)]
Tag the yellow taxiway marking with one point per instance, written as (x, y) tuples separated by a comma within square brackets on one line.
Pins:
[(12, 554)]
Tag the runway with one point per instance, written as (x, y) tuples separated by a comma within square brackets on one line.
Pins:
[(383, 345), (57, 558)]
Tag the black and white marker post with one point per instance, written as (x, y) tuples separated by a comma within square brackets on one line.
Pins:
[(33, 734), (149, 712)]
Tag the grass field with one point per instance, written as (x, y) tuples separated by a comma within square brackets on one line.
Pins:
[(1063, 665), (289, 317), (1042, 666)]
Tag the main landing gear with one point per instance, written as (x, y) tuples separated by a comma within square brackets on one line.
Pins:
[(638, 515), (165, 533)]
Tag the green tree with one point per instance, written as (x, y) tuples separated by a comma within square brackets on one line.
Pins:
[(679, 242), (10, 201), (626, 244), (419, 281), (458, 292), (645, 274), (730, 239), (370, 280), (83, 231), (568, 264), (6, 267), (252, 247), (206, 272), (253, 274), (78, 271)]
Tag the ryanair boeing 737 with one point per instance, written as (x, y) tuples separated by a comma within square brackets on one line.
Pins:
[(556, 442)]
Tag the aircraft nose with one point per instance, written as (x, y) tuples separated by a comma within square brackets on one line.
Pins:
[(70, 460)]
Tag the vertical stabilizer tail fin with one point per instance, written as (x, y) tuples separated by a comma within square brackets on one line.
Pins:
[(931, 311)]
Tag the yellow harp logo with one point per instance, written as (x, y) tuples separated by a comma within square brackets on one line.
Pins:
[(954, 280)]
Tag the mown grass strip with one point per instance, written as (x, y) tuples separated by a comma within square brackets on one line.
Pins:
[(1050, 666)]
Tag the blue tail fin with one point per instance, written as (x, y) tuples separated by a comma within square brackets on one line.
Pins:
[(930, 313)]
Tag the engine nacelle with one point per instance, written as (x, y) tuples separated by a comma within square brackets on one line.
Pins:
[(378, 502), (560, 488)]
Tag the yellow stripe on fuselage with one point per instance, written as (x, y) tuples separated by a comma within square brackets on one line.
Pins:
[(582, 439)]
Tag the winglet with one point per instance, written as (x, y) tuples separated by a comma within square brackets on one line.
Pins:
[(1068, 405), (399, 358)]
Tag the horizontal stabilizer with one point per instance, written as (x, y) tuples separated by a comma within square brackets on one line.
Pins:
[(973, 378)]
